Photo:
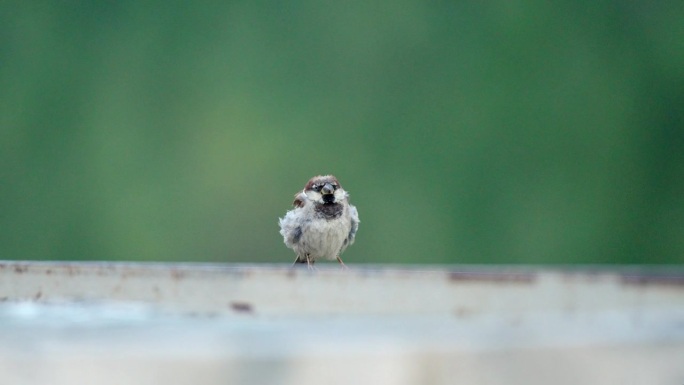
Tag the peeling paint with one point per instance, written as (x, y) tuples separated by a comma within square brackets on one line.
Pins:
[(653, 280), (454, 291), (492, 277)]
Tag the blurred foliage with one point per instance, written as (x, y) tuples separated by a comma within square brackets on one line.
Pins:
[(466, 132)]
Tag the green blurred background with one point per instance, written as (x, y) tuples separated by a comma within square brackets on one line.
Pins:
[(466, 132)]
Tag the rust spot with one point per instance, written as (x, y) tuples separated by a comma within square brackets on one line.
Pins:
[(3, 299), (490, 277), (241, 307), (38, 295), (653, 279), (20, 269), (291, 273), (177, 274), (48, 271)]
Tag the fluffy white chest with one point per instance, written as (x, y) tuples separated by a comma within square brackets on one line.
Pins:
[(323, 238)]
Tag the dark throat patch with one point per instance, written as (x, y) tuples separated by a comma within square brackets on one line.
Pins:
[(329, 210)]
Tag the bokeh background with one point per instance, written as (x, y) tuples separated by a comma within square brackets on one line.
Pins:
[(466, 132)]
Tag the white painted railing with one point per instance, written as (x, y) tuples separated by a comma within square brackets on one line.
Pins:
[(137, 323)]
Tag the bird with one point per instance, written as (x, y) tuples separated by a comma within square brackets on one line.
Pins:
[(322, 223)]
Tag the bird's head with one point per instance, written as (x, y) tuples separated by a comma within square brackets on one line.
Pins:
[(325, 189)]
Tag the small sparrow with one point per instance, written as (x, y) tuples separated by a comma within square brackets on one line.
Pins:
[(322, 223)]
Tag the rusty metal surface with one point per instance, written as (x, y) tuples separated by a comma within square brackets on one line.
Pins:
[(112, 323)]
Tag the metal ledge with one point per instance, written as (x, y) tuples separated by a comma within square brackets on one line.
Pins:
[(141, 323)]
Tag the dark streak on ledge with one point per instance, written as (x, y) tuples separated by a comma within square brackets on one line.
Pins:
[(492, 277), (241, 307), (653, 279)]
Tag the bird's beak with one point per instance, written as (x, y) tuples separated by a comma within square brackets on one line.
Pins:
[(327, 189)]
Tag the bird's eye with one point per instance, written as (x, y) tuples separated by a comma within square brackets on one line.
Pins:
[(317, 187)]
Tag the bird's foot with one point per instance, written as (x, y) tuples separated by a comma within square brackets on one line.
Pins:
[(344, 267), (310, 263)]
